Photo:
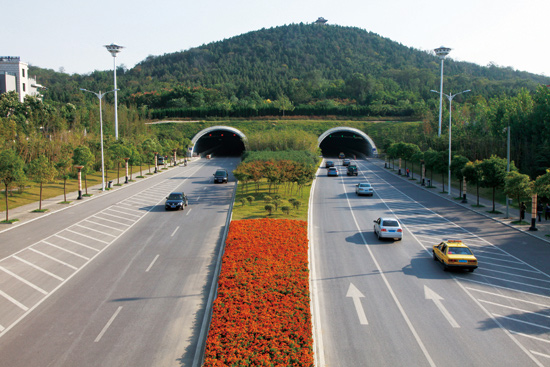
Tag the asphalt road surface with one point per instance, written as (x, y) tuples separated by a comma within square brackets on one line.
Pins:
[(116, 281), (387, 303)]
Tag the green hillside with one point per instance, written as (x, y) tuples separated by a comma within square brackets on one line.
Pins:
[(321, 69)]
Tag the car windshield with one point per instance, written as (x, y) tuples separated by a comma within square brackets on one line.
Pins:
[(390, 223), (332, 169), (364, 185), (220, 173), (459, 251), (175, 197)]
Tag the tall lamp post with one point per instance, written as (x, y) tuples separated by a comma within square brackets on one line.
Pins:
[(115, 49), (441, 52), (100, 97), (450, 98)]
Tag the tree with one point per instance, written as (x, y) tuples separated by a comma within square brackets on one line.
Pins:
[(493, 171), (118, 152), (472, 173), (11, 170), (542, 185), (41, 170), (518, 185), (457, 164), (63, 168), (83, 156), (283, 104)]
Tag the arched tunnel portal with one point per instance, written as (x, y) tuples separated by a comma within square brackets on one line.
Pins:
[(219, 141), (350, 141)]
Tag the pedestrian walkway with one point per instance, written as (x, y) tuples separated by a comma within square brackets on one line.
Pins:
[(543, 227), (25, 213)]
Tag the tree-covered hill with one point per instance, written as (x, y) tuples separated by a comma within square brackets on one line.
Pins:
[(325, 66)]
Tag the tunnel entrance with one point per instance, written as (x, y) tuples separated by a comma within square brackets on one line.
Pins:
[(219, 141), (350, 141)]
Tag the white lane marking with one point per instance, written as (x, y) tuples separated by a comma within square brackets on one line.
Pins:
[(117, 217), (175, 230), (90, 237), (356, 295), (387, 283), (14, 301), (188, 211), (108, 324), (515, 309), (198, 198), (38, 268), (508, 297), (521, 321), (152, 263), (67, 251), (104, 225), (23, 280), (2, 328), (121, 212), (540, 354), (318, 347), (76, 242), (94, 230), (436, 298), (53, 258), (530, 336)]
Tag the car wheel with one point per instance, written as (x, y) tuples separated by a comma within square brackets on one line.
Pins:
[(471, 270), (445, 267), (435, 257)]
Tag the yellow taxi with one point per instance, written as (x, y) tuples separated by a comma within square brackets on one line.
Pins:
[(454, 254)]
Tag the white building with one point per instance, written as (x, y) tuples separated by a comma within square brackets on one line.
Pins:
[(14, 76)]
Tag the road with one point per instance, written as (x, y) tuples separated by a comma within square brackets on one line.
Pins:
[(116, 281), (385, 303)]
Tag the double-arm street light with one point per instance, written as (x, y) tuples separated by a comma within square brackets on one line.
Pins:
[(441, 52), (450, 98), (100, 96), (114, 50)]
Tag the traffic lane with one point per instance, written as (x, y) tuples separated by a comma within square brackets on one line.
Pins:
[(486, 318), (81, 298), (21, 236), (527, 248), (343, 264)]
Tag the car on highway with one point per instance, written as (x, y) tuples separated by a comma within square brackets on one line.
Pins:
[(364, 188), (332, 171), (175, 201), (352, 170), (221, 176), (329, 164), (455, 254), (341, 155), (388, 227), (346, 162)]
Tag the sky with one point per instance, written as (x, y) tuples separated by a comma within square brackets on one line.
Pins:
[(69, 35)]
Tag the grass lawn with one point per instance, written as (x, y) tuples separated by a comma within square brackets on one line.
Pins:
[(31, 192), (256, 208)]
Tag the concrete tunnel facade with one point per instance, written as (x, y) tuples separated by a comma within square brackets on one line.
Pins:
[(229, 141)]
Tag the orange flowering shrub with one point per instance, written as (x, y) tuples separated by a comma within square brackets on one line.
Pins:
[(261, 316)]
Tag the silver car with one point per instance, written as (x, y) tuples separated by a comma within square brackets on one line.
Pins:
[(388, 228), (364, 188)]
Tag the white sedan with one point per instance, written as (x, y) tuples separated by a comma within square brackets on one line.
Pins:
[(388, 228), (364, 188)]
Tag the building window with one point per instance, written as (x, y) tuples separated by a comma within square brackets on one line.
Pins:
[(23, 73), (24, 87)]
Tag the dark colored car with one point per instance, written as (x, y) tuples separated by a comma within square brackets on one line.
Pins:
[(352, 170), (221, 176), (160, 160), (175, 201), (329, 164)]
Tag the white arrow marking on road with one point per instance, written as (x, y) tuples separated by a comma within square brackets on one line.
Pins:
[(429, 294), (354, 293)]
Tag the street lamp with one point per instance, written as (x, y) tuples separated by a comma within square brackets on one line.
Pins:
[(115, 49), (450, 98), (441, 52), (100, 96)]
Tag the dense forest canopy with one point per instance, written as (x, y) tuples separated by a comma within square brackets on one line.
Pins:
[(319, 69)]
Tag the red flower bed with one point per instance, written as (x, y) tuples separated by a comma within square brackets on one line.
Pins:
[(261, 316)]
